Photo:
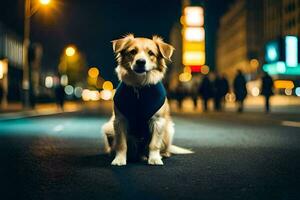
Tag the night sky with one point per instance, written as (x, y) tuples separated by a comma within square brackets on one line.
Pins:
[(92, 24)]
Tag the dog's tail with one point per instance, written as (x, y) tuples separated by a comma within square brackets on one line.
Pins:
[(179, 150)]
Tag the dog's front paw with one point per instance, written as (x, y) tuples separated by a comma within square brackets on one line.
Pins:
[(119, 161), (155, 161), (155, 158)]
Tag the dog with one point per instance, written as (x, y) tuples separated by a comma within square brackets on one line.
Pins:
[(141, 121)]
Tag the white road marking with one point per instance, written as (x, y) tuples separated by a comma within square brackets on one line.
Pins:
[(291, 123), (58, 128)]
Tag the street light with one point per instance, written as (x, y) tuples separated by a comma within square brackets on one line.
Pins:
[(70, 51), (45, 2), (29, 11)]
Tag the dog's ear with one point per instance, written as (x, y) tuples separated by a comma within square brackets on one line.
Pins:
[(165, 49), (120, 44)]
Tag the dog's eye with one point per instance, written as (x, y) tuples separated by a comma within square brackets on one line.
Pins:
[(151, 53), (133, 51)]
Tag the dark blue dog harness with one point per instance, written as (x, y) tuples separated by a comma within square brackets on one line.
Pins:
[(138, 105)]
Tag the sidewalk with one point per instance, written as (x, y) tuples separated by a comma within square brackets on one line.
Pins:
[(15, 110), (279, 104)]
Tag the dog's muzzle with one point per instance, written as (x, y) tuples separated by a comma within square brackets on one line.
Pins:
[(140, 66)]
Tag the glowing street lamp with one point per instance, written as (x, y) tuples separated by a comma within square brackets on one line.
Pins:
[(45, 2), (70, 51)]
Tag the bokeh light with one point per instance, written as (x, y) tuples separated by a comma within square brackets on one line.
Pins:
[(297, 91), (106, 94), (49, 82), (230, 97), (282, 84), (70, 51), (254, 63), (288, 91), (69, 89), (187, 69), (93, 72), (78, 92), (204, 69), (90, 95), (45, 2), (85, 95), (255, 91), (64, 80), (107, 85), (185, 77)]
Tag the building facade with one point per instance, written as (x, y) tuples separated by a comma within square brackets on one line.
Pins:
[(247, 27), (11, 58), (240, 36), (281, 18)]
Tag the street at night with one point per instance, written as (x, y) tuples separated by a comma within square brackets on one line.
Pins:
[(237, 156), (150, 100)]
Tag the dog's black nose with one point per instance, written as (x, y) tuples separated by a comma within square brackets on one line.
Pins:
[(140, 62)]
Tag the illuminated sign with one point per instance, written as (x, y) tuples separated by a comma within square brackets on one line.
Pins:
[(282, 56), (196, 34), (272, 52), (281, 68), (284, 84), (195, 68), (193, 46), (193, 32), (291, 51), (193, 16), (193, 58)]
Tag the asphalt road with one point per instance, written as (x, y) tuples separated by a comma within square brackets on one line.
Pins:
[(245, 156)]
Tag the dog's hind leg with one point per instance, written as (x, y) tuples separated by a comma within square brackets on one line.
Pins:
[(168, 139), (157, 126), (120, 143), (108, 135)]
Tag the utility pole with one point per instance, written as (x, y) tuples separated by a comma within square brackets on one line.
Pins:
[(26, 86)]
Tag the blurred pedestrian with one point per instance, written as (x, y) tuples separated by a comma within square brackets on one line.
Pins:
[(267, 90), (205, 90), (60, 96), (217, 92), (180, 94), (240, 90), (224, 89), (194, 90)]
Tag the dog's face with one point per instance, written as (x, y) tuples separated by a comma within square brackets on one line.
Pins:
[(141, 60)]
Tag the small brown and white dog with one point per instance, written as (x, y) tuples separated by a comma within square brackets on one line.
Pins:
[(141, 109)]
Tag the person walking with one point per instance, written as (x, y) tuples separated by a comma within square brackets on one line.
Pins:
[(180, 95), (224, 89), (267, 90), (60, 96), (205, 91), (217, 92), (240, 90)]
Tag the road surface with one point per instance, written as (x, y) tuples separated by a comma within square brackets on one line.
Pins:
[(237, 156)]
